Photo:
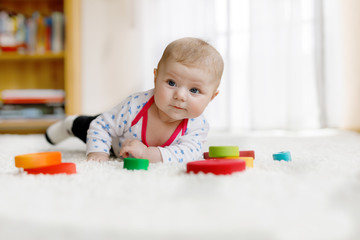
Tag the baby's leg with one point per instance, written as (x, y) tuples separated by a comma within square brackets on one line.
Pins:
[(81, 125), (71, 126)]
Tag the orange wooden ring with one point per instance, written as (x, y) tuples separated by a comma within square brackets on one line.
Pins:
[(36, 160), (68, 168)]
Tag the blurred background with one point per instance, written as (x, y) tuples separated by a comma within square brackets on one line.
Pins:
[(289, 65), (284, 60)]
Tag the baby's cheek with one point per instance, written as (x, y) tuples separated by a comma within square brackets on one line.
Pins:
[(197, 109)]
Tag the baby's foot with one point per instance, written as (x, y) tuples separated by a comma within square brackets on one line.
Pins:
[(60, 130)]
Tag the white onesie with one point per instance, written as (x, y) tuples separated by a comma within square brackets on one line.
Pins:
[(129, 120)]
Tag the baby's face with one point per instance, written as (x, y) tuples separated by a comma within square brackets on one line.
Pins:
[(182, 91)]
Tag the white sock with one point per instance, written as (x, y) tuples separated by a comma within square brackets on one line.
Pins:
[(60, 130)]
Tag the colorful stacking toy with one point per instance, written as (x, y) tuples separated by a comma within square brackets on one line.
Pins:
[(136, 164), (44, 163), (223, 160), (247, 156)]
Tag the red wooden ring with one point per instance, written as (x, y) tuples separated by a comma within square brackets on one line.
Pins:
[(68, 168), (216, 166), (247, 154)]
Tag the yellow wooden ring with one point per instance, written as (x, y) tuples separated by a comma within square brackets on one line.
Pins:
[(249, 160), (223, 151), (35, 160)]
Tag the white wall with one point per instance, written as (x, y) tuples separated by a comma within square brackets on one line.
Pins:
[(333, 63), (110, 52)]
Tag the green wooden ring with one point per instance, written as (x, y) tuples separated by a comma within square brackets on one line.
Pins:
[(223, 151), (136, 164)]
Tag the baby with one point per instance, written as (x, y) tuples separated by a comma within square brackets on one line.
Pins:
[(164, 124)]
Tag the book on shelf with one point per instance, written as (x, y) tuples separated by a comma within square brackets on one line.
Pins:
[(32, 104), (31, 34), (32, 111), (32, 96)]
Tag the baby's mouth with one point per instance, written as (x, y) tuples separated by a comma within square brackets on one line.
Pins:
[(178, 107)]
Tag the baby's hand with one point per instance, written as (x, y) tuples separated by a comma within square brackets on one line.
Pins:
[(98, 156), (133, 147)]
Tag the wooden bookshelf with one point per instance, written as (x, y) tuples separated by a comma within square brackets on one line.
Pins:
[(8, 56), (44, 70), (25, 126)]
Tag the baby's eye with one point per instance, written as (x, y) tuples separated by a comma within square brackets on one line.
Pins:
[(194, 90), (171, 83)]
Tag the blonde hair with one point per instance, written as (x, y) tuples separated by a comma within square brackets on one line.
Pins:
[(194, 52)]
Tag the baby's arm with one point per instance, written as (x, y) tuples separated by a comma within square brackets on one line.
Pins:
[(99, 140), (137, 149), (98, 156), (101, 132)]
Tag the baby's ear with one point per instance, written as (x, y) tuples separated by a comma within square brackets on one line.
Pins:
[(155, 74), (215, 94)]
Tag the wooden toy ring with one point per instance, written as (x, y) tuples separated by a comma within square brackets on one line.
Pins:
[(136, 164), (282, 156), (216, 166), (248, 160), (36, 160), (68, 168), (223, 151), (248, 153)]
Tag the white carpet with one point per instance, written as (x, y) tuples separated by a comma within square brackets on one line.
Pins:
[(316, 196)]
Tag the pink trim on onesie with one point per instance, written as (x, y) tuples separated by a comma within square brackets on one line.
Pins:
[(144, 114)]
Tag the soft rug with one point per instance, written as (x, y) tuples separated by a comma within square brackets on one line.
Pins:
[(316, 196)]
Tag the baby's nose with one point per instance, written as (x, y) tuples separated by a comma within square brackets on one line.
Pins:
[(181, 94)]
